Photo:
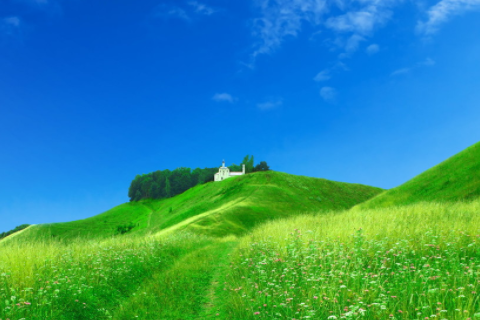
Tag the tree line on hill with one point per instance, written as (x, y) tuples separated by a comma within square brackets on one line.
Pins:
[(168, 183), (7, 233)]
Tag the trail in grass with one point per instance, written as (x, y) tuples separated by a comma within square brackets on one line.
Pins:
[(213, 307), (186, 222), (17, 233), (184, 291)]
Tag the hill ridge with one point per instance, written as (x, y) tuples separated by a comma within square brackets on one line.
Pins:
[(454, 179), (232, 206)]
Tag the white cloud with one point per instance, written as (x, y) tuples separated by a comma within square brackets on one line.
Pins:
[(360, 22), (353, 42), (12, 21), (428, 62), (201, 8), (400, 71), (167, 11), (186, 12), (10, 26), (223, 97), (322, 76), (326, 74), (271, 104), (443, 11), (280, 19), (328, 94), (372, 49)]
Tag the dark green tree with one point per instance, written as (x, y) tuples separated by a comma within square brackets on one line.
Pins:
[(168, 189), (248, 162), (262, 166)]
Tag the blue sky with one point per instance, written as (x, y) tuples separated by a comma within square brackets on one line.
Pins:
[(93, 93)]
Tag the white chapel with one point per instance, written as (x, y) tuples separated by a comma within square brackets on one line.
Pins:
[(224, 173)]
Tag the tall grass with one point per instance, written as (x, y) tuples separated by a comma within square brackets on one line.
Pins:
[(415, 262), (84, 279)]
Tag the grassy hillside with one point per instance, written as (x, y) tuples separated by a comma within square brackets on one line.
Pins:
[(411, 262), (233, 206), (455, 179)]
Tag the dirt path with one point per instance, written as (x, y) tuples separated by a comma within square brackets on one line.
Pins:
[(213, 307), (17, 233), (186, 222)]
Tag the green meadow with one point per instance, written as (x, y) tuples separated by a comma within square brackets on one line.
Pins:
[(266, 245)]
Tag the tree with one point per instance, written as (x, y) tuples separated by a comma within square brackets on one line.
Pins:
[(262, 166), (248, 162), (134, 187), (235, 167), (168, 189)]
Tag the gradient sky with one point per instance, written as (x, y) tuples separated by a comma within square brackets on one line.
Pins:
[(94, 92)]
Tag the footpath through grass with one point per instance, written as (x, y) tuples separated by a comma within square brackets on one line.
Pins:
[(83, 280), (185, 291), (413, 262), (233, 206)]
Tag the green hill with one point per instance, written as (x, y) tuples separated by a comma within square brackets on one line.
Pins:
[(455, 179), (233, 206)]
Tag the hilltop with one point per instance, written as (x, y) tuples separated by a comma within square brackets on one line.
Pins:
[(455, 179), (233, 206)]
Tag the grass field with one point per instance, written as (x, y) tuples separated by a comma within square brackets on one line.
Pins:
[(262, 246), (413, 262), (455, 179), (233, 206)]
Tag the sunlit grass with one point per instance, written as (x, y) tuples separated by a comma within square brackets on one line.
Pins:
[(84, 279), (415, 262)]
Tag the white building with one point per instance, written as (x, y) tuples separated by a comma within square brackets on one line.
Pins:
[(224, 173)]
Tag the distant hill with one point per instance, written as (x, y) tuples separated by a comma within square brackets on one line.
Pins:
[(455, 179), (232, 206)]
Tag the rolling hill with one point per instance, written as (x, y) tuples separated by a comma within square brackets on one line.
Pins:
[(233, 206), (455, 179)]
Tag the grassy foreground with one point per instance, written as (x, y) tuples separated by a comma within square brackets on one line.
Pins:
[(412, 262)]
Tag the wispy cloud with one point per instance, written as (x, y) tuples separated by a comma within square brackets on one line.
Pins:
[(50, 7), (372, 49), (400, 71), (169, 11), (328, 94), (357, 20), (282, 18), (186, 12), (202, 8), (322, 76), (12, 21), (224, 97), (327, 74), (428, 62), (443, 11), (10, 26), (270, 104), (360, 22)]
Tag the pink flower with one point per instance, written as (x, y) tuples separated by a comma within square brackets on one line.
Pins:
[(27, 303), (256, 312)]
